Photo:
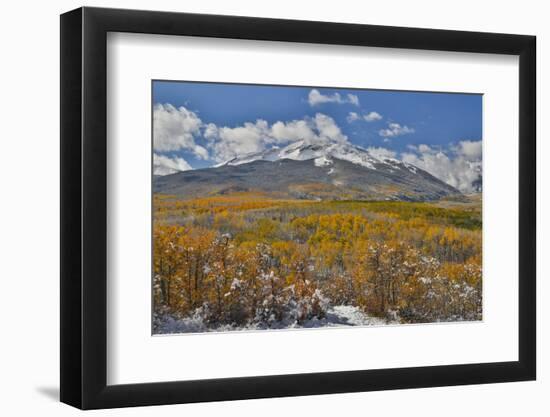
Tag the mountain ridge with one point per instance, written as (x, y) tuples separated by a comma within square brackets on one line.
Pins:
[(311, 171), (304, 150)]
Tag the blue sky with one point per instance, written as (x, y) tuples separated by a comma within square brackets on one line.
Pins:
[(398, 121)]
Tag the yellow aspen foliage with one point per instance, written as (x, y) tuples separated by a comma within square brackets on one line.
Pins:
[(245, 258)]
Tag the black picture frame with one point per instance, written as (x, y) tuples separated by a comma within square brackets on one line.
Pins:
[(84, 207)]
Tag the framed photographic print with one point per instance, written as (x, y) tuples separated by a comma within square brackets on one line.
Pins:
[(257, 207)]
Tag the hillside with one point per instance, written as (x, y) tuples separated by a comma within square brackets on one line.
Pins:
[(316, 172)]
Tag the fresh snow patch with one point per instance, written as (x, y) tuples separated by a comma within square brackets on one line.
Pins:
[(411, 168), (352, 316), (322, 161), (337, 316)]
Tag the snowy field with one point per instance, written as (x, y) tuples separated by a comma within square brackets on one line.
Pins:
[(337, 316)]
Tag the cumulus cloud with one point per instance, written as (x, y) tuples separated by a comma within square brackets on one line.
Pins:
[(316, 98), (382, 153), (372, 116), (395, 129), (369, 117), (227, 142), (352, 117), (353, 99), (164, 165), (327, 130), (459, 166), (422, 148), (175, 129), (292, 131), (469, 149)]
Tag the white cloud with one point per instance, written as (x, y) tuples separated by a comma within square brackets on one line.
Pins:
[(352, 117), (422, 148), (395, 129), (227, 142), (460, 166), (353, 99), (382, 153), (175, 129), (164, 165), (469, 149), (292, 131), (327, 129), (369, 117), (372, 116), (315, 98)]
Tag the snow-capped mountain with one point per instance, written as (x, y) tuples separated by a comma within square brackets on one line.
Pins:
[(322, 154), (304, 170)]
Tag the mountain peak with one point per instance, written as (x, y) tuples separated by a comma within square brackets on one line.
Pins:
[(322, 153)]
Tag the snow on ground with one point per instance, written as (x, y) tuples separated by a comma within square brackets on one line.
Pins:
[(352, 316), (337, 316), (322, 161)]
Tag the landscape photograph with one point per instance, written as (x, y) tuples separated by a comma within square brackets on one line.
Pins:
[(293, 207)]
